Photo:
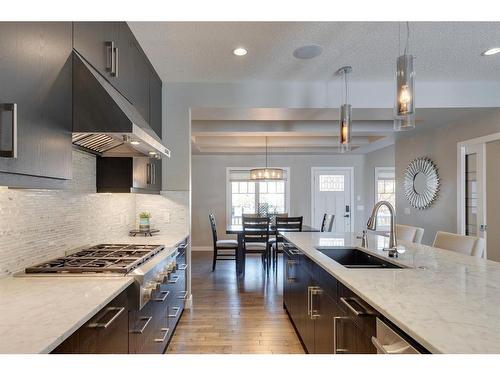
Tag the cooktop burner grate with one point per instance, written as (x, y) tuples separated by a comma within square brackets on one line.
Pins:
[(104, 258)]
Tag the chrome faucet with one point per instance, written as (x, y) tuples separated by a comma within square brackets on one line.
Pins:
[(372, 225)]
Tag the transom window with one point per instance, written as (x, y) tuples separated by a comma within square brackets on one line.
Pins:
[(245, 196), (331, 182)]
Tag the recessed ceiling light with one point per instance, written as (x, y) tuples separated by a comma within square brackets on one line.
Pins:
[(308, 52), (491, 51), (240, 51), (134, 142)]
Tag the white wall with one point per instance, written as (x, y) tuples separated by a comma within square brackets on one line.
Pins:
[(380, 158)]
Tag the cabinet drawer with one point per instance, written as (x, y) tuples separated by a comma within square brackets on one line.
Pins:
[(328, 283), (362, 314), (141, 328)]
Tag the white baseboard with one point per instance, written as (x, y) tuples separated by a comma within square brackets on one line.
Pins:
[(202, 248), (189, 302)]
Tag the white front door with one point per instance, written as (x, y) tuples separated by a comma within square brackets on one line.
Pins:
[(331, 194)]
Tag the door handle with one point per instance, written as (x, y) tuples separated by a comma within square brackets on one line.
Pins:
[(12, 153)]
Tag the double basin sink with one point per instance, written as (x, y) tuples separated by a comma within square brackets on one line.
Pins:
[(355, 258)]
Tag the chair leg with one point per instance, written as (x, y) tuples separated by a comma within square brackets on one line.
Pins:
[(214, 260)]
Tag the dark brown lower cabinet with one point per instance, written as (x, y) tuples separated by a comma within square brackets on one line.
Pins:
[(105, 333), (329, 318)]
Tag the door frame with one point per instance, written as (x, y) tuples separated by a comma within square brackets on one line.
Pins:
[(461, 152), (351, 170)]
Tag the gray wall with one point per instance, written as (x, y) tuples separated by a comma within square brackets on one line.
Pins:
[(441, 146)]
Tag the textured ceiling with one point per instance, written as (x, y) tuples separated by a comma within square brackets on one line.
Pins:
[(202, 51)]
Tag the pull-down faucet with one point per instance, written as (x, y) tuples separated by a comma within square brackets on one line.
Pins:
[(372, 225)]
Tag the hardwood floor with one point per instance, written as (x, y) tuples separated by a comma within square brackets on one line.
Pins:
[(234, 316)]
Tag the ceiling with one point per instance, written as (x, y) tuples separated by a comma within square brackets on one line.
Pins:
[(305, 131), (202, 51)]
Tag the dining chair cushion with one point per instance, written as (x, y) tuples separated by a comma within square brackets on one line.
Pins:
[(256, 246), (227, 243)]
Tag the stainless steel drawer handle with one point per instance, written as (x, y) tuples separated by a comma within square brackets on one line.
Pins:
[(110, 56), (146, 320), (177, 311), (400, 350), (173, 280), (163, 298), (347, 301), (165, 335), (115, 71), (313, 291), (288, 265), (184, 295), (182, 267), (12, 153), (119, 311), (336, 349)]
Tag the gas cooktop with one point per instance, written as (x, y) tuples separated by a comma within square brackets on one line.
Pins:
[(105, 258)]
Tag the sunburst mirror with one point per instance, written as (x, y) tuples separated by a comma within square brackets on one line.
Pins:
[(421, 182)]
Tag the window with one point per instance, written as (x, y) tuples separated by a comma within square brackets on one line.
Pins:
[(245, 196), (331, 183), (385, 190)]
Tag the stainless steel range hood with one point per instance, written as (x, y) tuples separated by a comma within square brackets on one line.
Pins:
[(105, 122)]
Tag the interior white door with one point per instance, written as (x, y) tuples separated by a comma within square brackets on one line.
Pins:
[(332, 194)]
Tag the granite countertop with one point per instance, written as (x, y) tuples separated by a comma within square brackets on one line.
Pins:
[(448, 302), (38, 313)]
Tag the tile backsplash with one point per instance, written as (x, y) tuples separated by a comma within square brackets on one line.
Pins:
[(36, 225)]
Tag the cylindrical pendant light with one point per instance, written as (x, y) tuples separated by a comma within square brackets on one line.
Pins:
[(345, 113), (404, 117)]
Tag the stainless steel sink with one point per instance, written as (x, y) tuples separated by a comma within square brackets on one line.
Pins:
[(355, 258)]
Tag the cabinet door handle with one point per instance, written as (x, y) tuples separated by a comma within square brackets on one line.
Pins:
[(119, 311), (110, 56), (182, 267), (288, 265), (313, 291), (166, 330), (337, 350), (347, 301), (162, 299), (146, 320), (114, 73), (153, 169), (177, 310), (148, 174), (184, 295), (12, 153)]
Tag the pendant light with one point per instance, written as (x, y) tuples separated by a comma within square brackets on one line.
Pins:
[(404, 117), (345, 113), (266, 174)]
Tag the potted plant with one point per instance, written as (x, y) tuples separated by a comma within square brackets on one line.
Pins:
[(144, 221)]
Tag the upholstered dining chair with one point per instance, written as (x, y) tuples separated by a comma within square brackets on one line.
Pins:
[(223, 249), (468, 245), (409, 233), (284, 224), (327, 224), (256, 236)]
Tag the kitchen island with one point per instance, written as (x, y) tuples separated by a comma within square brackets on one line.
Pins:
[(39, 312), (445, 301)]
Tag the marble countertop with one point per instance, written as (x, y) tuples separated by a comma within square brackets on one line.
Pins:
[(448, 302), (38, 313)]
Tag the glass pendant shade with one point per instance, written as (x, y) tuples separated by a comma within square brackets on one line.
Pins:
[(345, 128), (404, 117)]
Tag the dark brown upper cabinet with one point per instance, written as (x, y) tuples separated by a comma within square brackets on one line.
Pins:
[(35, 100), (111, 48)]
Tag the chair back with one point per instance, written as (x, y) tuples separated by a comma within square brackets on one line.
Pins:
[(327, 224), (274, 216), (211, 218), (468, 245), (255, 229), (409, 233), (287, 224), (251, 216)]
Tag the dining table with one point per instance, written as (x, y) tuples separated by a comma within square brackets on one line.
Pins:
[(241, 253)]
